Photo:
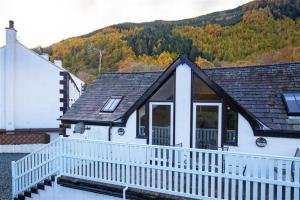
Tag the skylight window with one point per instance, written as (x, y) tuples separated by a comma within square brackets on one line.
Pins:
[(292, 102), (111, 104)]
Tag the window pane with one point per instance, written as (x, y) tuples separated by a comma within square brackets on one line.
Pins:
[(166, 92), (201, 91), (142, 121), (114, 104), (207, 127), (231, 133), (161, 124), (111, 104), (292, 101), (108, 105)]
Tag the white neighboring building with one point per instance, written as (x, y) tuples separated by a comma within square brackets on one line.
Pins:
[(34, 92)]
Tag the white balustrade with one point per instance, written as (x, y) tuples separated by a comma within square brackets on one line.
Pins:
[(185, 172)]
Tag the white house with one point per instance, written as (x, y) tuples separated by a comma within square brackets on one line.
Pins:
[(150, 135), (254, 109), (34, 92)]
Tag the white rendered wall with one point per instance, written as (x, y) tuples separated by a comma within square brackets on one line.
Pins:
[(9, 73), (183, 105), (2, 89), (101, 132), (275, 146), (29, 88), (37, 97), (74, 94), (130, 132)]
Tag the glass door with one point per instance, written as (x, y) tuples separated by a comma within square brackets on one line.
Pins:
[(161, 123), (207, 125)]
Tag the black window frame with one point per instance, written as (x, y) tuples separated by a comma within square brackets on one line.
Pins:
[(120, 98), (225, 126), (146, 104), (138, 122)]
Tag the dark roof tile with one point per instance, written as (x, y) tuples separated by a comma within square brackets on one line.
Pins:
[(129, 85), (259, 88)]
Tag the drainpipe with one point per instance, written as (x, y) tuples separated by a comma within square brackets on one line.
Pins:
[(124, 192), (109, 132)]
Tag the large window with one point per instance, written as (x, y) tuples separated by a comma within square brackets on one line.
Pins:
[(201, 91), (166, 91), (141, 122), (231, 132), (207, 126), (160, 124)]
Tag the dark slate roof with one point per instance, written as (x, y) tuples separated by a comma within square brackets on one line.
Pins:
[(129, 85), (258, 89)]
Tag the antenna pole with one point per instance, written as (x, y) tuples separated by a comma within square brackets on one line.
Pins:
[(100, 59)]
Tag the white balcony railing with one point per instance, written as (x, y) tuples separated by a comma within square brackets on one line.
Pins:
[(185, 172)]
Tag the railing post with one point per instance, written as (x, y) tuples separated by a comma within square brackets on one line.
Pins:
[(13, 176), (61, 154), (220, 169)]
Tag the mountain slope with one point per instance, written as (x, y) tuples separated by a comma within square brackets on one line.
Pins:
[(255, 33)]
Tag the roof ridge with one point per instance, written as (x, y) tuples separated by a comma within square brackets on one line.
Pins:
[(253, 66), (141, 72)]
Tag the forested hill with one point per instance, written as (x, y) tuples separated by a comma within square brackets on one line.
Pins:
[(259, 32)]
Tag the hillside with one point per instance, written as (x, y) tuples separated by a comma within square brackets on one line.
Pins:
[(259, 32)]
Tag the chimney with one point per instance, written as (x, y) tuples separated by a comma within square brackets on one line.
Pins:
[(10, 60), (11, 24)]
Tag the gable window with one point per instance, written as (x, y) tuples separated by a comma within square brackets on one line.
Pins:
[(292, 102), (166, 91), (201, 91), (111, 104), (141, 122), (231, 132)]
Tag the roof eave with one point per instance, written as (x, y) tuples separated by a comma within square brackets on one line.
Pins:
[(93, 122), (278, 133)]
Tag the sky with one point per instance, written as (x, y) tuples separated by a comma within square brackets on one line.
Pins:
[(44, 22)]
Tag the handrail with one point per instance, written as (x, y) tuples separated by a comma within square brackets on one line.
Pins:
[(39, 149), (39, 164)]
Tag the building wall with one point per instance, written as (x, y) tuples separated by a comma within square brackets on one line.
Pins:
[(74, 94), (101, 132), (275, 145), (2, 89), (36, 91), (37, 97), (183, 105)]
